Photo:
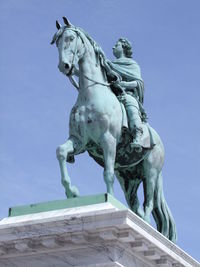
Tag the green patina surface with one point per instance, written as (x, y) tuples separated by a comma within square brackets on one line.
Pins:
[(64, 204)]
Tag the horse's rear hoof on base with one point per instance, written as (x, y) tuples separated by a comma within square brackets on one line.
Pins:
[(140, 213), (147, 219)]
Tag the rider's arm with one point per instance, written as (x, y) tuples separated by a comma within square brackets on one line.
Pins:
[(129, 85)]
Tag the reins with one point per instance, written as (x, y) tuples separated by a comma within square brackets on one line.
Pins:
[(90, 79), (75, 51)]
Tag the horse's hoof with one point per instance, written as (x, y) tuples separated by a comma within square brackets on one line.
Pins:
[(75, 191), (147, 219), (140, 213), (72, 192), (111, 192)]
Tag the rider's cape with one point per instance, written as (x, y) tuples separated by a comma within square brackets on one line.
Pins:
[(129, 70)]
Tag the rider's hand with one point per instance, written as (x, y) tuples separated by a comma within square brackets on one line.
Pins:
[(122, 97), (123, 84)]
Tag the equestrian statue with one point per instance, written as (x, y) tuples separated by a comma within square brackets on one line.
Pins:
[(108, 121)]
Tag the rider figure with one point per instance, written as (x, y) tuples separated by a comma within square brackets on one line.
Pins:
[(131, 87)]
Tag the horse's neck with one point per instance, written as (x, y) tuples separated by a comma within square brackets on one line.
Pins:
[(90, 69)]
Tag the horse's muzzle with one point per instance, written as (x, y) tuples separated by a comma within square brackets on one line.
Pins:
[(65, 68)]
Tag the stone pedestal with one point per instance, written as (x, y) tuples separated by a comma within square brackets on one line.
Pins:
[(90, 231)]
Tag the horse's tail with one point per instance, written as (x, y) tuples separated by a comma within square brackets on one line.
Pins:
[(162, 214)]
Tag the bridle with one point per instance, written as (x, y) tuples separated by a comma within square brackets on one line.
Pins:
[(77, 31), (69, 75), (75, 50)]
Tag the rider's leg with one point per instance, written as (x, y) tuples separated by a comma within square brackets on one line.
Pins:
[(62, 153), (135, 122), (108, 144)]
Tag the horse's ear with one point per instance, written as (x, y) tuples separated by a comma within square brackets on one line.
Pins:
[(54, 39), (58, 26), (66, 21)]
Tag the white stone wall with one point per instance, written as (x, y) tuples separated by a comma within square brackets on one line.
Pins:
[(96, 235)]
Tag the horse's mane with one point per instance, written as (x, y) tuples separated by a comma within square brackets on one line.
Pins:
[(100, 55), (101, 58), (94, 44)]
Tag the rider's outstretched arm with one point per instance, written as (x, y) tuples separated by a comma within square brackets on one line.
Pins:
[(129, 85)]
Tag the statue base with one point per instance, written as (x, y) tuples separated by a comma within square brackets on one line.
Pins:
[(87, 231)]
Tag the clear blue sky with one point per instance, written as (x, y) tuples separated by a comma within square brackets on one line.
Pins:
[(35, 98)]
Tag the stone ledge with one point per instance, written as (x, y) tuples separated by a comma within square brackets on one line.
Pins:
[(65, 204), (94, 235), (113, 264)]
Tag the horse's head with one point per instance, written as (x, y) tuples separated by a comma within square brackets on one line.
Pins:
[(69, 41)]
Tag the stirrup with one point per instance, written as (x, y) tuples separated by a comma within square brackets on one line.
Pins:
[(136, 146)]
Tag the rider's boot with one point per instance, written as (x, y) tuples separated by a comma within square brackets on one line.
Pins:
[(136, 143), (134, 120), (135, 125)]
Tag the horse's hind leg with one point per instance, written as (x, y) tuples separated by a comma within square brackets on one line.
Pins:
[(130, 186), (149, 184), (134, 201), (62, 153), (108, 144)]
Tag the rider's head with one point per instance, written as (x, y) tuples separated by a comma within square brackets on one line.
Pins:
[(127, 48)]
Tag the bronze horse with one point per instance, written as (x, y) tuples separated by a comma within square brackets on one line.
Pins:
[(96, 122)]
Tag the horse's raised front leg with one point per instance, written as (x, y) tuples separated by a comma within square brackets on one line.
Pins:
[(62, 153), (108, 144)]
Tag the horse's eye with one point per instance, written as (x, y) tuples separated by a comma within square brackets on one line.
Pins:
[(71, 38)]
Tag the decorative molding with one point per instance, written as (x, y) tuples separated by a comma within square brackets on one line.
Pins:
[(99, 229)]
